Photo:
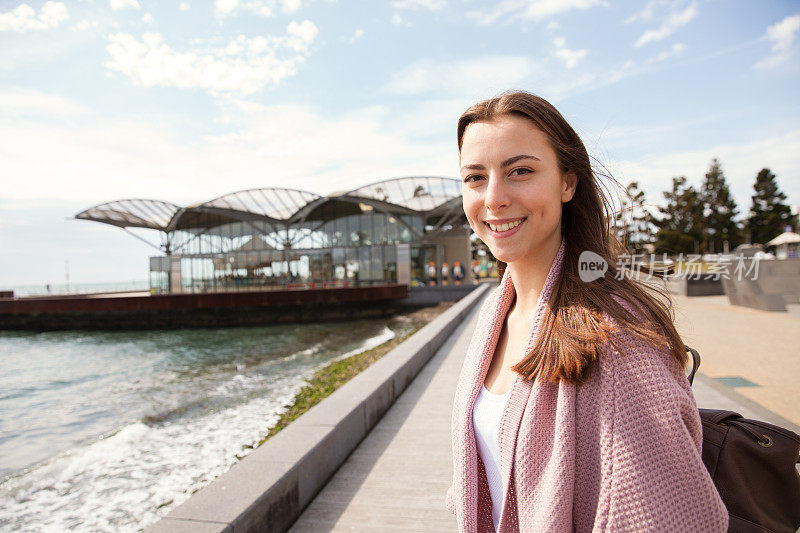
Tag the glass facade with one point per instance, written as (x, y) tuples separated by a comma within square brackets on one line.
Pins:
[(272, 237), (357, 249)]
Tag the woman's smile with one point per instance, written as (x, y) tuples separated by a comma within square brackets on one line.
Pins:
[(505, 230)]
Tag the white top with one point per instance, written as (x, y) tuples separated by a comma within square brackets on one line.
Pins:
[(486, 419)]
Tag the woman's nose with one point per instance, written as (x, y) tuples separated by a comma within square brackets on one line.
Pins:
[(496, 194)]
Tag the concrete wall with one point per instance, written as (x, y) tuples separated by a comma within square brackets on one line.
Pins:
[(770, 288), (684, 286), (269, 488), (432, 295)]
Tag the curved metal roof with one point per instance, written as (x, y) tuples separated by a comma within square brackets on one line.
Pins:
[(283, 206), (421, 193), (272, 204), (278, 204), (132, 213)]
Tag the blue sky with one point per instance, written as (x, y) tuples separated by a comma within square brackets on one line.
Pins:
[(185, 101)]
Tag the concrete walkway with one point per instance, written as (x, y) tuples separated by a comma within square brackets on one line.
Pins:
[(396, 480), (760, 346), (398, 477)]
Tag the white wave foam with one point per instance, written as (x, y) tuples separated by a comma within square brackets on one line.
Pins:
[(384, 336), (129, 480), (308, 351)]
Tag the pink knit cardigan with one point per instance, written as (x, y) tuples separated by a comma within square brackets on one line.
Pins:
[(619, 452)]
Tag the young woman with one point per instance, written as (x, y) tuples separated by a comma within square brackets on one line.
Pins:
[(572, 411)]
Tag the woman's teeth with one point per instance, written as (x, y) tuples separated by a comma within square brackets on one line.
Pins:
[(506, 227)]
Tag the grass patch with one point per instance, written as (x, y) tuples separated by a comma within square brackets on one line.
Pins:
[(332, 376)]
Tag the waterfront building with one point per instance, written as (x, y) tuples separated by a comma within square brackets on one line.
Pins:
[(385, 232)]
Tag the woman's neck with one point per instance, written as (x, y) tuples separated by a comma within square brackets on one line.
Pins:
[(529, 276)]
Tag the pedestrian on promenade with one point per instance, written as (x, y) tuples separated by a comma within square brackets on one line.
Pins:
[(572, 410), (431, 273), (458, 272)]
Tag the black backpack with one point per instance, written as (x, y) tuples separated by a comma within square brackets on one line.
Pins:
[(753, 467)]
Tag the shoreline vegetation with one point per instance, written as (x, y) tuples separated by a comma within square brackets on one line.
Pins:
[(335, 374)]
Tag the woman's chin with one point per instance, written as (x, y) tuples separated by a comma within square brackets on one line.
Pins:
[(505, 257)]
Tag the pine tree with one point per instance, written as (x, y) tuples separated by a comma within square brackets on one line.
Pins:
[(719, 212), (769, 214), (633, 221), (680, 225)]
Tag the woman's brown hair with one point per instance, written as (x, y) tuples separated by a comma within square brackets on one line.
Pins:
[(574, 328)]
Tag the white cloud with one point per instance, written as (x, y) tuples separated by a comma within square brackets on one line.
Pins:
[(147, 19), (225, 7), (358, 34), (415, 5), (397, 20), (570, 58), (430, 5), (556, 89), (184, 6), (301, 35), (24, 18), (244, 66), (645, 14), (782, 34), (673, 22), (483, 77), (119, 5), (676, 49), (84, 25), (27, 103), (741, 162), (476, 77), (264, 8), (553, 25), (530, 9), (283, 145), (290, 6)]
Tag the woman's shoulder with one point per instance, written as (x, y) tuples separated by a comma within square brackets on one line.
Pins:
[(630, 303), (631, 357)]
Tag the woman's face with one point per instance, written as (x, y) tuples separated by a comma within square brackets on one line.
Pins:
[(510, 174)]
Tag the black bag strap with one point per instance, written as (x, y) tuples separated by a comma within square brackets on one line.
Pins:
[(695, 363)]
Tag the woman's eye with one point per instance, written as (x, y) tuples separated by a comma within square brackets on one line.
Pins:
[(469, 178), (520, 171)]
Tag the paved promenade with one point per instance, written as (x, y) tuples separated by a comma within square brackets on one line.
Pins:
[(397, 478), (760, 346)]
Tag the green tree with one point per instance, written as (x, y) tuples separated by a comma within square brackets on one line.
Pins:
[(719, 212), (634, 227), (680, 224), (769, 214)]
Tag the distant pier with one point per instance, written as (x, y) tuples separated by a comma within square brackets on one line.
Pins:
[(140, 310)]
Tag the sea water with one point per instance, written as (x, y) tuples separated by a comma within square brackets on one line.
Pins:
[(108, 431)]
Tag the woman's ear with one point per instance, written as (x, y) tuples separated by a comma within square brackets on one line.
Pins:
[(569, 182)]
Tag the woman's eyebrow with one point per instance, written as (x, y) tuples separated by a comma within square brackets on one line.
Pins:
[(507, 162), (512, 160)]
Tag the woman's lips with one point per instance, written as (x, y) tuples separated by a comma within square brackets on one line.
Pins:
[(507, 233)]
